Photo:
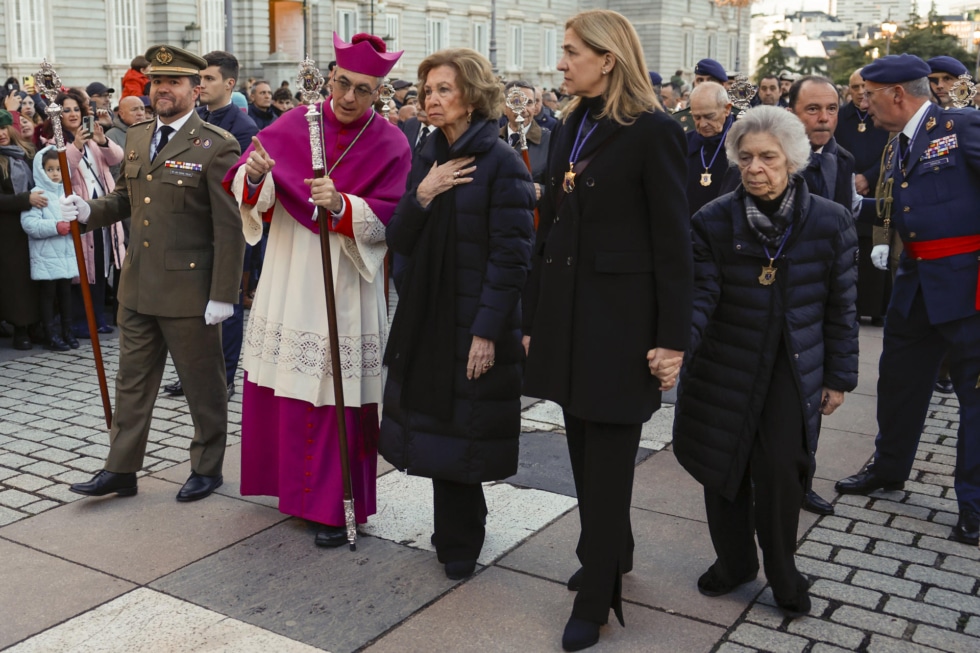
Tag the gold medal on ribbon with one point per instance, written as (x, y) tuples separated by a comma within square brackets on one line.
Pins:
[(862, 127), (768, 275), (705, 178), (568, 184)]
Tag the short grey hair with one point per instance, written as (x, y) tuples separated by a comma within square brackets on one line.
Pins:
[(779, 123), (713, 91), (917, 87)]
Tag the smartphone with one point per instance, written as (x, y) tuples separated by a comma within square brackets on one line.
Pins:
[(27, 81), (88, 122)]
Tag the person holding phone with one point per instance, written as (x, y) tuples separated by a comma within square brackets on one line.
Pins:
[(90, 154)]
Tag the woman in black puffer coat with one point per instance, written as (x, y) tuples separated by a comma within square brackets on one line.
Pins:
[(773, 346), (455, 360)]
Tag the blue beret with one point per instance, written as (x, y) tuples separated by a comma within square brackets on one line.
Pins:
[(711, 68), (946, 64), (656, 79), (895, 69)]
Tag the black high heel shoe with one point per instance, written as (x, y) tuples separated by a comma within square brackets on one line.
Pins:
[(579, 634)]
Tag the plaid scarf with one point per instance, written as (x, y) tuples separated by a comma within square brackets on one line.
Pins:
[(770, 230)]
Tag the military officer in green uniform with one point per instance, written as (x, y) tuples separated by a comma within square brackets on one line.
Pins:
[(706, 70), (180, 278)]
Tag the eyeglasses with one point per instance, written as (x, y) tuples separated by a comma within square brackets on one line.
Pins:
[(363, 92)]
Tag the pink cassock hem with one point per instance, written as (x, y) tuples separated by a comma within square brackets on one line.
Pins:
[(289, 450)]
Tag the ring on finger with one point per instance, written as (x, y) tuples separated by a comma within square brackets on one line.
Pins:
[(456, 175)]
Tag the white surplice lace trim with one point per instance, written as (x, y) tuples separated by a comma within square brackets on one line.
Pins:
[(308, 353), (368, 249)]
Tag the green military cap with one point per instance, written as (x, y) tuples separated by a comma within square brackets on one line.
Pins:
[(173, 62)]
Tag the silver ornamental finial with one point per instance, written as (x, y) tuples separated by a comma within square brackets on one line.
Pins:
[(741, 93), (963, 91), (310, 81), (517, 102), (386, 93), (47, 82)]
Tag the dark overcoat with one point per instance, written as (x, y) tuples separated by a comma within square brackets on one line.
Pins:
[(18, 293), (494, 231), (612, 272), (726, 375)]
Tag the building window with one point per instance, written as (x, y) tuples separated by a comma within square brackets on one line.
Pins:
[(481, 38), (549, 57), (733, 54), (688, 61), (212, 25), (712, 42), (27, 38), (346, 24), (393, 32), (437, 36), (516, 47)]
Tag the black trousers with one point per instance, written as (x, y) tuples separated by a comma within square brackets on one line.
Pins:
[(460, 515), (52, 293), (603, 458), (768, 500)]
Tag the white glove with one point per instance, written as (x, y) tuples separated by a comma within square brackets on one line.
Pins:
[(879, 256), (218, 312), (74, 207)]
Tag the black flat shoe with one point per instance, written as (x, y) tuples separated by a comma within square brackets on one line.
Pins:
[(574, 583), (460, 569), (198, 487), (866, 482), (816, 504), (22, 341), (579, 634), (713, 584), (174, 389), (69, 338), (105, 482), (330, 537), (967, 529), (800, 606)]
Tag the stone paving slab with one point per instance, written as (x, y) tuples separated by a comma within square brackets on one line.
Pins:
[(151, 622), (861, 416), (528, 614), (38, 591), (141, 538), (543, 463), (332, 599), (405, 513), (660, 578), (842, 453)]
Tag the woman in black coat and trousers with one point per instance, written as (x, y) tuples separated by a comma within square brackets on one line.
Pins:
[(465, 226), (773, 346), (610, 296)]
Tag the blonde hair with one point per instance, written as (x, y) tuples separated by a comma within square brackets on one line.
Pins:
[(629, 92), (474, 76)]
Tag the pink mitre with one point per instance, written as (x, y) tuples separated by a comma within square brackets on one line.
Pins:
[(365, 54)]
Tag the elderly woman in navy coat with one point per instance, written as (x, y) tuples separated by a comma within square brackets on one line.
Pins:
[(773, 346), (610, 305), (465, 226)]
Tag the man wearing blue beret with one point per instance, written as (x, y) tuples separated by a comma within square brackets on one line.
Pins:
[(943, 73), (706, 70), (933, 170)]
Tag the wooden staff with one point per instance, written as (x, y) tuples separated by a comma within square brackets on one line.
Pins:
[(49, 82), (311, 81)]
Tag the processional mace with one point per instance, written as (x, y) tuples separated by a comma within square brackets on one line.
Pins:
[(517, 101), (50, 85)]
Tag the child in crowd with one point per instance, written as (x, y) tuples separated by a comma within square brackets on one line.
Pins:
[(53, 263)]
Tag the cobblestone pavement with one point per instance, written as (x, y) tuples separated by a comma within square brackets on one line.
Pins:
[(233, 574)]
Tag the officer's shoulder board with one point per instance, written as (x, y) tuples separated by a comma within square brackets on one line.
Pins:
[(225, 134)]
